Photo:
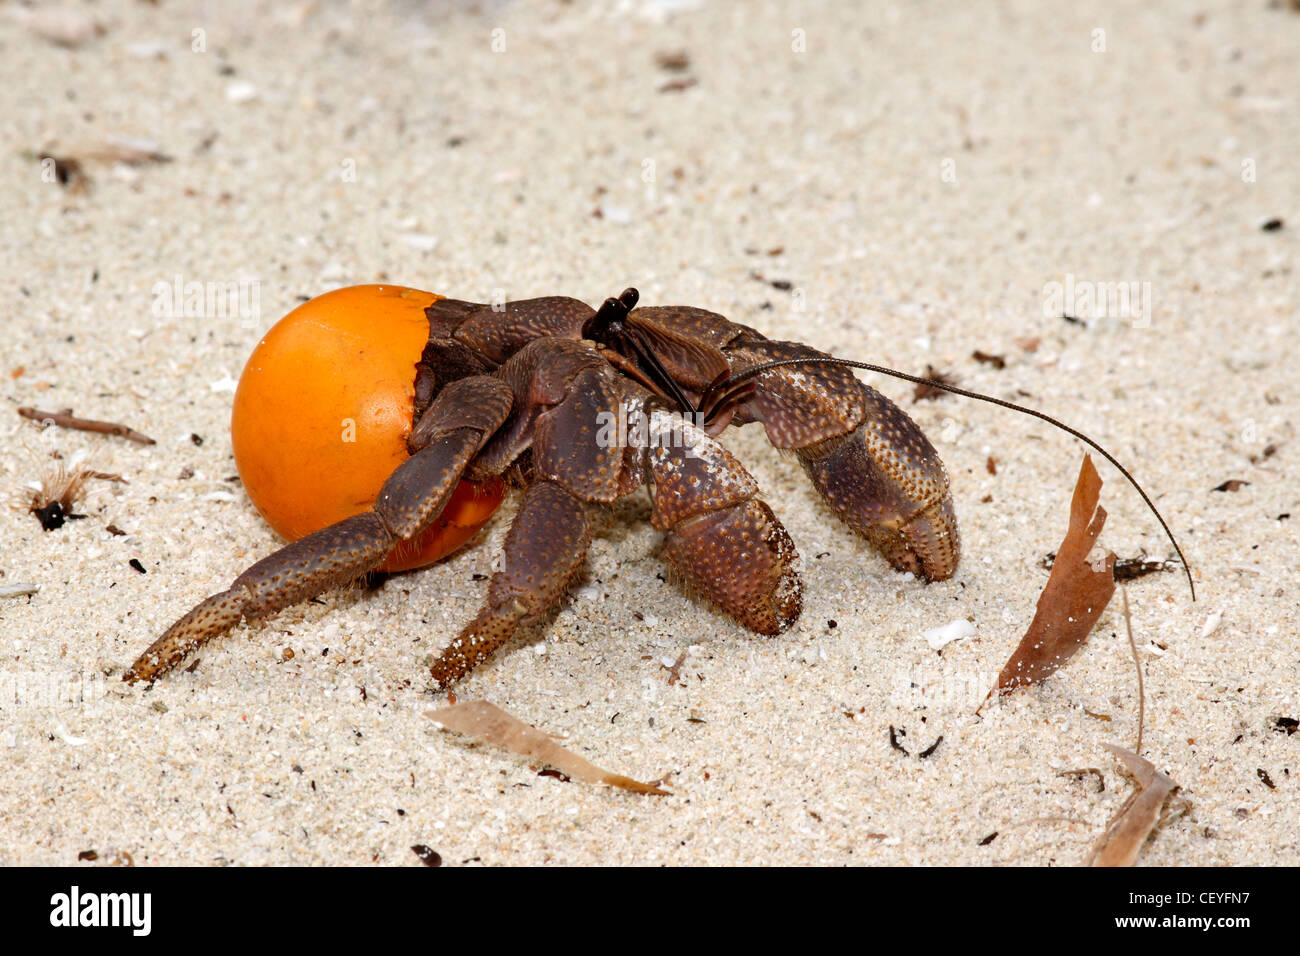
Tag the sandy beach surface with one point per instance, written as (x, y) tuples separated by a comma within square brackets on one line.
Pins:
[(902, 184)]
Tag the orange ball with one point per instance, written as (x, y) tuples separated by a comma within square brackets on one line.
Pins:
[(322, 414)]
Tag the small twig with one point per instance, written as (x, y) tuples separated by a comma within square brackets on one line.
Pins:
[(931, 749), (893, 741), (1142, 697), (674, 672), (18, 590), (65, 419)]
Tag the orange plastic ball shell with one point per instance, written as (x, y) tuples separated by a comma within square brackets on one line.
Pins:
[(322, 414)]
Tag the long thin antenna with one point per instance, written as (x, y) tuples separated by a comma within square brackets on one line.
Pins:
[(734, 382)]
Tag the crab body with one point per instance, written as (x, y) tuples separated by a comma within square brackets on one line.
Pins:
[(582, 408)]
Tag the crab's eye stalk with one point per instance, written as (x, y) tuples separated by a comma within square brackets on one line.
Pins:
[(608, 328), (604, 326), (628, 298)]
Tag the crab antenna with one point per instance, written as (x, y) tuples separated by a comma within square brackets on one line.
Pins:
[(735, 382)]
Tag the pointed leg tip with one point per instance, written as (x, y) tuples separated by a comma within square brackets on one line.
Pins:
[(139, 673)]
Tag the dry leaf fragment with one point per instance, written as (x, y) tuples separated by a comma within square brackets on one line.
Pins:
[(677, 86), (23, 590), (1127, 569), (53, 500), (1076, 593), (999, 362), (675, 61), (427, 856), (1123, 839), (1232, 484), (487, 722), (928, 392)]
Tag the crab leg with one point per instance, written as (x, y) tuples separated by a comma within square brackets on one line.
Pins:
[(891, 491), (454, 428), (867, 458), (871, 463), (721, 538), (544, 551), (561, 387)]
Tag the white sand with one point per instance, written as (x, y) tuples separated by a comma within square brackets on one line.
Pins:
[(1122, 165)]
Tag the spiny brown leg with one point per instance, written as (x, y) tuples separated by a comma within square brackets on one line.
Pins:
[(884, 490), (561, 387), (870, 461), (454, 428), (742, 559), (544, 551), (723, 540), (324, 559)]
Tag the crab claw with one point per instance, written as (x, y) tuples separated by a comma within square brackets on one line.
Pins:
[(885, 481)]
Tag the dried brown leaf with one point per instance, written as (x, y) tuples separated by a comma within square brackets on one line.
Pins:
[(677, 86), (1232, 484), (485, 721), (1123, 839), (427, 856), (1127, 569), (60, 492), (1077, 591), (926, 392), (674, 61)]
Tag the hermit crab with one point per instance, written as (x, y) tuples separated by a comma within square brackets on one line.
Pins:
[(580, 407)]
